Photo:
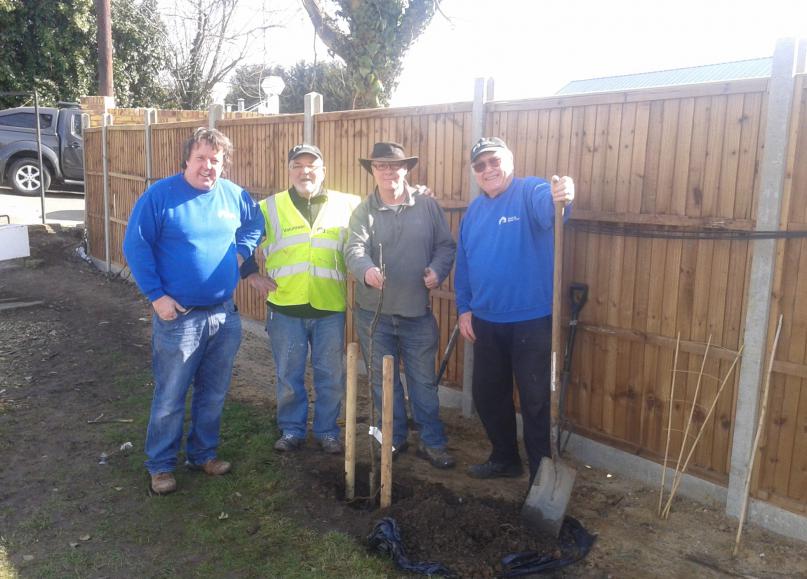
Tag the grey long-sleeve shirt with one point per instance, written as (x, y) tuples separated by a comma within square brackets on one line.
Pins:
[(411, 237)]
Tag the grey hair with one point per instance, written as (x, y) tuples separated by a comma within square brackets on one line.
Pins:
[(217, 140)]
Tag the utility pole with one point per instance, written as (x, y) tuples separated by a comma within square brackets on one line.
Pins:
[(104, 37)]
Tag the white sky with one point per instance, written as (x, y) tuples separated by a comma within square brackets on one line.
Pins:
[(533, 47)]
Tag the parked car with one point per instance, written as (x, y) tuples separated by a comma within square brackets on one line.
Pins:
[(62, 148)]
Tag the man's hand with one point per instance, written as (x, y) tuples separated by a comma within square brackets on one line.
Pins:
[(263, 284), (373, 278), (167, 308), (466, 327), (562, 190), (430, 279)]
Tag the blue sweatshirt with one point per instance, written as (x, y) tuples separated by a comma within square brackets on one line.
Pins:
[(181, 241), (505, 254)]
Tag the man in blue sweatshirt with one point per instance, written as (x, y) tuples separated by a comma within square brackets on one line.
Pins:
[(185, 239), (503, 285)]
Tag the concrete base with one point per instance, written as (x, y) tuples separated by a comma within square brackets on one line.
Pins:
[(648, 472)]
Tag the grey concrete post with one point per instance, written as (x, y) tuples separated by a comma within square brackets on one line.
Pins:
[(85, 124), (106, 121), (483, 90), (313, 106), (149, 118), (214, 114), (769, 208)]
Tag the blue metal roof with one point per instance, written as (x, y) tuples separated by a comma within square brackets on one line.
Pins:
[(752, 68)]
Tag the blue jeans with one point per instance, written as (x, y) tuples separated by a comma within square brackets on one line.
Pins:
[(290, 339), (197, 347), (415, 341)]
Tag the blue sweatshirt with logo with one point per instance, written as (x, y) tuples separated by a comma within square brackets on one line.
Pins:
[(182, 241), (505, 254)]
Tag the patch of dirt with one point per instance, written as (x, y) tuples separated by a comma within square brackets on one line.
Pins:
[(51, 382)]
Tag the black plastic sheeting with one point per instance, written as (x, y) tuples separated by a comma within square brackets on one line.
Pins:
[(385, 539), (575, 542)]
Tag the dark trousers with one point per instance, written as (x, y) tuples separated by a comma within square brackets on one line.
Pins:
[(501, 351)]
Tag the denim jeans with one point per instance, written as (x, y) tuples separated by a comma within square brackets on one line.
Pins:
[(415, 341), (290, 339), (198, 347)]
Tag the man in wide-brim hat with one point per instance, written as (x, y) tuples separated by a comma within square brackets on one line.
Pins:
[(388, 153), (409, 232)]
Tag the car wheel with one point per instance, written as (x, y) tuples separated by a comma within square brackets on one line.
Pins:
[(25, 177)]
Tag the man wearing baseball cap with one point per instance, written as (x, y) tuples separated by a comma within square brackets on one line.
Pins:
[(305, 229), (503, 285)]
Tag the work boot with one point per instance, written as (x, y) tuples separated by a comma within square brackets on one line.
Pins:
[(289, 443), (491, 469), (437, 456), (330, 445), (163, 483), (213, 467)]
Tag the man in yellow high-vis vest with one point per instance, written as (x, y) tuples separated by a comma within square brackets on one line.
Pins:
[(305, 228)]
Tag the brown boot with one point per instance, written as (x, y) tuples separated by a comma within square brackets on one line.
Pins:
[(163, 483), (213, 467)]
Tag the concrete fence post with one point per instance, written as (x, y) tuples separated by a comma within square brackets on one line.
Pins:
[(215, 114), (86, 121), (106, 122), (760, 298), (149, 118), (312, 106), (483, 91)]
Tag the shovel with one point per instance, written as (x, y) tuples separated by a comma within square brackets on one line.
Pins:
[(548, 498)]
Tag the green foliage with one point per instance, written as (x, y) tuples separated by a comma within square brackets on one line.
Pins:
[(330, 79), (372, 38), (55, 43), (50, 41)]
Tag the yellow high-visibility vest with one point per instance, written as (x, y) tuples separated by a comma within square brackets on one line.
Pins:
[(306, 261)]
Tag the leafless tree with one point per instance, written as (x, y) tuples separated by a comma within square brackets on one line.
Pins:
[(208, 40)]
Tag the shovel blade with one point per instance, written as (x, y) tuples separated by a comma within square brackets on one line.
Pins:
[(549, 496)]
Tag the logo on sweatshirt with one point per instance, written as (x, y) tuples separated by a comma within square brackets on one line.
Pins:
[(504, 220), (224, 214)]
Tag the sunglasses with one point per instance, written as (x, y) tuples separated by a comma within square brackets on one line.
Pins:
[(387, 166), (492, 162)]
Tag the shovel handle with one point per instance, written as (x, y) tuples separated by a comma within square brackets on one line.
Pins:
[(557, 281)]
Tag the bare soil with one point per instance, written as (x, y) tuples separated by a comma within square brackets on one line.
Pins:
[(52, 381)]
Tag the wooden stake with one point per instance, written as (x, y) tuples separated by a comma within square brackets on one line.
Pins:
[(680, 475), (669, 423), (689, 420), (387, 376), (757, 436), (350, 420)]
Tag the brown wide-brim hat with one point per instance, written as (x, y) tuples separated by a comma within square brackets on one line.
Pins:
[(390, 153)]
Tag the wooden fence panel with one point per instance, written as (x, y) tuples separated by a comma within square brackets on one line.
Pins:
[(682, 159)]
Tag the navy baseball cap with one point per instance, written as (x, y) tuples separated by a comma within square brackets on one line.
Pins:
[(304, 149), (486, 144)]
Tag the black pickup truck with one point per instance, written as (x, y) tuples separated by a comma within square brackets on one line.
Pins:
[(62, 148)]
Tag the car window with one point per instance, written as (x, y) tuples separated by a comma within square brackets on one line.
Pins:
[(26, 120), (75, 125)]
